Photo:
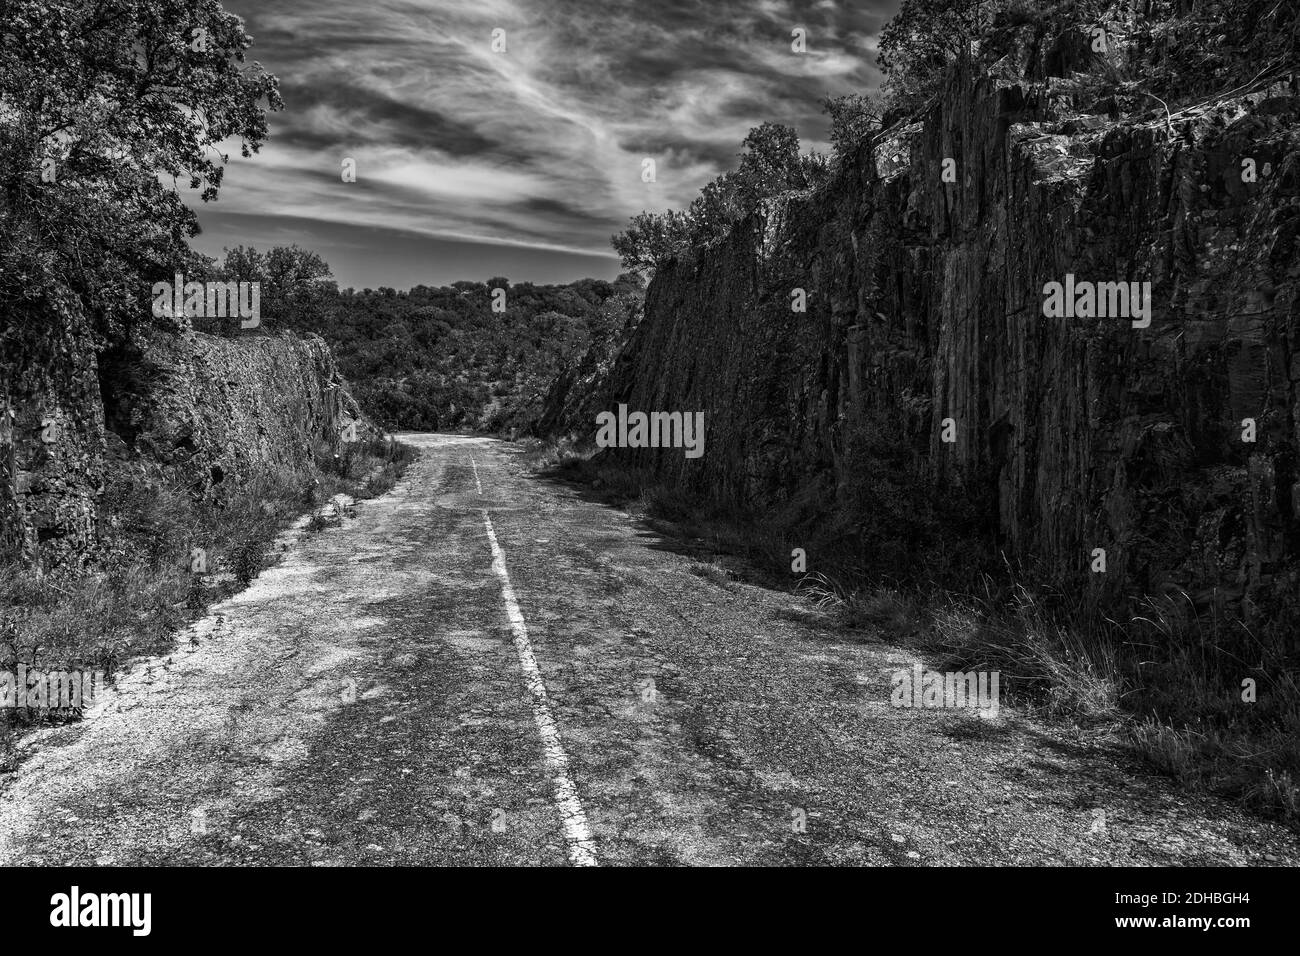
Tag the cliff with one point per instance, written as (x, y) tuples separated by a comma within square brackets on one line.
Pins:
[(211, 413), (925, 302)]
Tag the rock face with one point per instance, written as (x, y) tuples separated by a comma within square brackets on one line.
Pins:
[(925, 302), (217, 410), (211, 412), (51, 435)]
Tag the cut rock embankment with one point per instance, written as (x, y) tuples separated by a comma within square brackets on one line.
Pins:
[(925, 361)]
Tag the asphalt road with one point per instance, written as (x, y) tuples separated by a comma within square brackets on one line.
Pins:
[(483, 667)]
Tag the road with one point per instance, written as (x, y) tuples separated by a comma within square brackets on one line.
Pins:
[(483, 667)]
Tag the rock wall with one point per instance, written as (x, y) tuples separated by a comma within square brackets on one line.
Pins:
[(925, 303), (218, 411), (211, 412), (51, 433)]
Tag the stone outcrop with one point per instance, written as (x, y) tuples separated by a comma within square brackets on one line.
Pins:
[(52, 439), (212, 413), (214, 410), (925, 303)]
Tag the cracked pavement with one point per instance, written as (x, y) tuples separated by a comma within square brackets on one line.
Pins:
[(363, 703)]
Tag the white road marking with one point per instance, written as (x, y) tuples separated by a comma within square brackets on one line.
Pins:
[(478, 484), (582, 851)]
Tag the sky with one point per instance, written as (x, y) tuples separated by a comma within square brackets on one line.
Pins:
[(473, 162)]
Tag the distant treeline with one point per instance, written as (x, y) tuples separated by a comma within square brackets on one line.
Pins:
[(434, 357)]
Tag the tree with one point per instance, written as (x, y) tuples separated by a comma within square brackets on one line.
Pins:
[(243, 264), (100, 105), (295, 273), (770, 164), (719, 205), (296, 286), (651, 239), (917, 45), (854, 119)]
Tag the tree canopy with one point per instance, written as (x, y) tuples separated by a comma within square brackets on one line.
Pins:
[(106, 110), (770, 163)]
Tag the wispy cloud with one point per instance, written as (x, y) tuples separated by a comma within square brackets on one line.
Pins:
[(537, 148)]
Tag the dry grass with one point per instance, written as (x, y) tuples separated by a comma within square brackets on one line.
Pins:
[(140, 590), (1166, 679), (715, 573)]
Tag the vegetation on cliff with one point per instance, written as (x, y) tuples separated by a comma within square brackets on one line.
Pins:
[(1101, 137), (1150, 56), (124, 443)]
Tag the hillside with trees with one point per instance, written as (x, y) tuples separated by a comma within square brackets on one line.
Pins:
[(472, 355)]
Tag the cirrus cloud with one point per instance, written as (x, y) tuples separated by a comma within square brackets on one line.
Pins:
[(528, 158)]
